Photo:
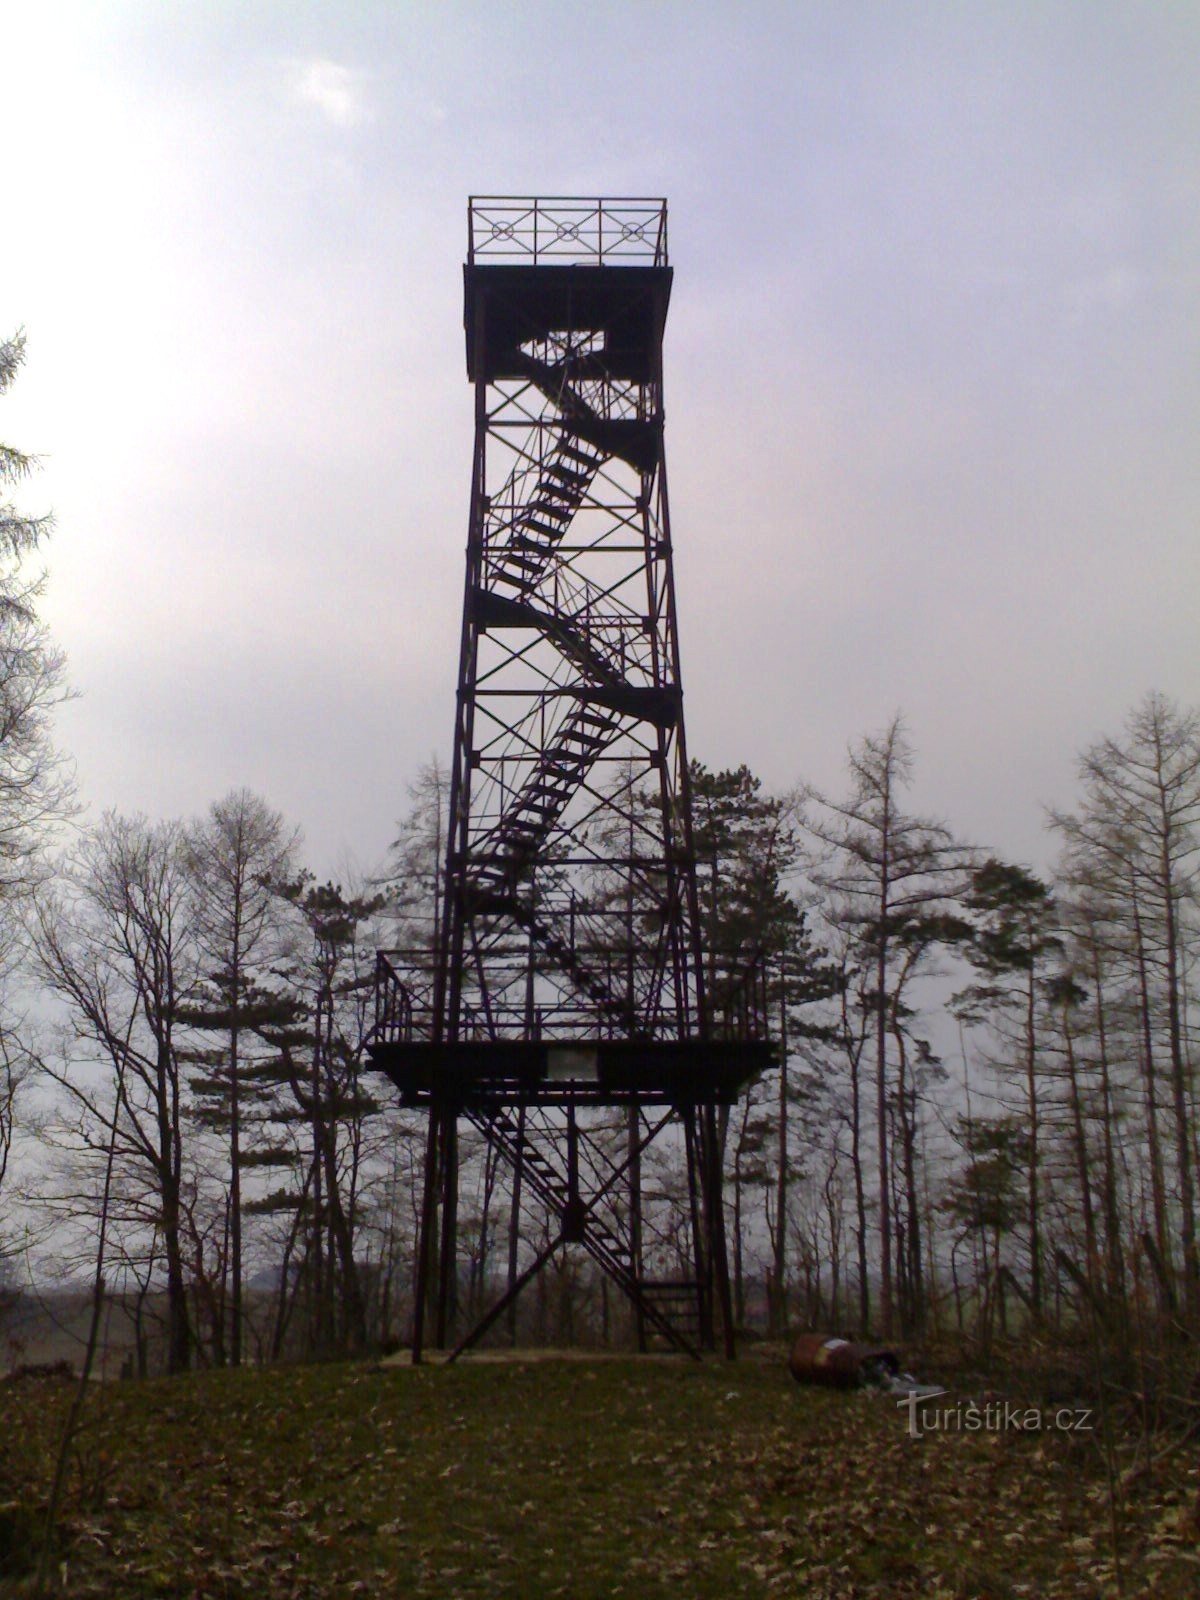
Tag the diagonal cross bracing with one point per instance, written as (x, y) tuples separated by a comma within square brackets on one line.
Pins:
[(568, 975)]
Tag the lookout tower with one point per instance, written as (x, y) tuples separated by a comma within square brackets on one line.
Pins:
[(563, 1012)]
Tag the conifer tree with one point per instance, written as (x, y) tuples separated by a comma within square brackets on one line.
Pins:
[(237, 854)]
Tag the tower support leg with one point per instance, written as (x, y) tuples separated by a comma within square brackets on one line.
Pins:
[(702, 1256), (426, 1233), (447, 1307), (635, 1219)]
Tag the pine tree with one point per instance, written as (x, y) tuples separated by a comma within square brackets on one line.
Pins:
[(236, 855), (35, 786), (1013, 914), (755, 931), (321, 1062)]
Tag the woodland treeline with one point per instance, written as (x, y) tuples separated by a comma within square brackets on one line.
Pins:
[(986, 1116), (984, 1120)]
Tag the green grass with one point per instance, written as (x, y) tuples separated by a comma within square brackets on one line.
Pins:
[(583, 1479)]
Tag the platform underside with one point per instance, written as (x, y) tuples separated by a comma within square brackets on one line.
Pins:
[(601, 1072), (627, 305)]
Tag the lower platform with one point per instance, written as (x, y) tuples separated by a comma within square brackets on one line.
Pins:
[(668, 1072)]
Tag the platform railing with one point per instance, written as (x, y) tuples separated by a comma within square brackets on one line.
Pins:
[(393, 1003), (560, 230), (739, 1003)]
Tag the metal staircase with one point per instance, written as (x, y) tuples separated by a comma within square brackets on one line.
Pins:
[(566, 976), (670, 1310), (626, 437), (504, 853), (541, 523), (616, 1009), (502, 857)]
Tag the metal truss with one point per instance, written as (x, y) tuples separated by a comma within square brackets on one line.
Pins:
[(570, 978)]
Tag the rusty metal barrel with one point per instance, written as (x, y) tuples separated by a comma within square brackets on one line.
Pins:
[(840, 1363)]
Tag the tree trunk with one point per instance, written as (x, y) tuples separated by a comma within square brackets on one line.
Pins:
[(514, 1229), (913, 1261), (881, 1116), (1113, 1250), (1079, 1143), (860, 1199), (1033, 1110), (1158, 1192), (779, 1315), (739, 1297), (1179, 1090)]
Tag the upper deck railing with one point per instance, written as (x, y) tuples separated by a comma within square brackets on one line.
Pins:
[(739, 1002), (560, 230)]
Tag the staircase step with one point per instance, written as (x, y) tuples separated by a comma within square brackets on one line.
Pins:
[(535, 547), (572, 480), (544, 530), (514, 558), (587, 459), (546, 505)]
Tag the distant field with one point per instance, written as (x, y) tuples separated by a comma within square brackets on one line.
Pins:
[(585, 1479)]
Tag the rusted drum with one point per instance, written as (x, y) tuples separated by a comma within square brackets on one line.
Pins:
[(840, 1363)]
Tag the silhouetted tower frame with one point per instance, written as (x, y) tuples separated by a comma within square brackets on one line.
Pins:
[(569, 983)]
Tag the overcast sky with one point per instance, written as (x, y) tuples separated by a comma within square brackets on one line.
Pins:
[(932, 383)]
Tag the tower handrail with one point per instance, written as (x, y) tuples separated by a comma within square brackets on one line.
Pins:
[(557, 230)]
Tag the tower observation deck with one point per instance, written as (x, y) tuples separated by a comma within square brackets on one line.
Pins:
[(563, 1012)]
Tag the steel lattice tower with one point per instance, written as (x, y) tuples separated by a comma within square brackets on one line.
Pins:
[(563, 1012)]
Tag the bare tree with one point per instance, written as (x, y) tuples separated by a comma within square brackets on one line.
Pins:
[(1135, 838), (412, 878), (36, 788), (14, 1068), (116, 946), (15, 1063), (894, 880)]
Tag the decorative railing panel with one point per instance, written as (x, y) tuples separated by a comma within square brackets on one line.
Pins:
[(532, 232)]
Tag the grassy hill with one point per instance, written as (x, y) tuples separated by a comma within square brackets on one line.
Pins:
[(580, 1478)]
